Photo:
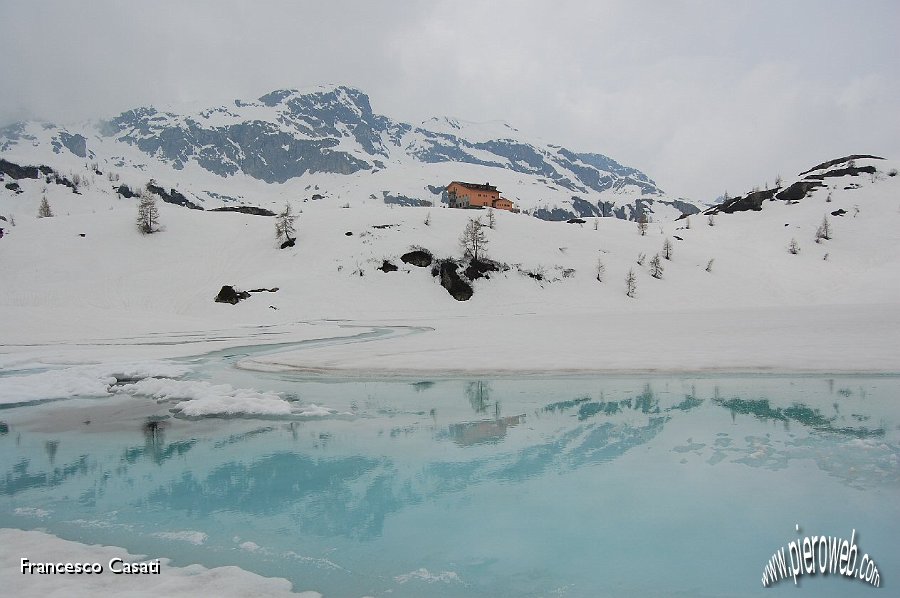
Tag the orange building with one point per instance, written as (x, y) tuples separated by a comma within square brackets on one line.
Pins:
[(503, 204), (474, 195)]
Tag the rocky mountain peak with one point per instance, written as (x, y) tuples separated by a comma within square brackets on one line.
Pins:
[(288, 134)]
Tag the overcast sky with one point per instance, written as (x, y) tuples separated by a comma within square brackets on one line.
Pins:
[(702, 96)]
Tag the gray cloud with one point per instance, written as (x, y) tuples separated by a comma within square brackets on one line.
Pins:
[(703, 96)]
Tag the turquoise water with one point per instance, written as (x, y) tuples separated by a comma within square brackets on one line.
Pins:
[(477, 487)]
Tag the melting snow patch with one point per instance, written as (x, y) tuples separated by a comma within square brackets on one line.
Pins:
[(195, 538), (57, 384), (82, 380), (101, 524), (31, 512), (425, 575), (202, 398), (150, 379), (313, 410), (320, 563)]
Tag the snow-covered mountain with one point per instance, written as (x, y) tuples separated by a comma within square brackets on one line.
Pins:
[(329, 143)]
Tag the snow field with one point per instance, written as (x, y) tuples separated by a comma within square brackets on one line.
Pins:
[(759, 308)]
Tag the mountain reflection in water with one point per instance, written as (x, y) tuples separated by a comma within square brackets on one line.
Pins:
[(422, 469)]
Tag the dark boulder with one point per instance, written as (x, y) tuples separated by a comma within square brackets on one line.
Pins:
[(403, 200), (125, 191), (14, 186), (172, 197), (841, 160), (479, 269), (418, 257), (228, 294), (553, 215), (840, 212), (850, 171), (752, 201), (252, 210), (288, 243), (450, 280), (23, 172), (575, 221), (61, 180), (798, 190), (386, 266), (33, 172)]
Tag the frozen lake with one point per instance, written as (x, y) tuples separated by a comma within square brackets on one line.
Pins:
[(568, 486)]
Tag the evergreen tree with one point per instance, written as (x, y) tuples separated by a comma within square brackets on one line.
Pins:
[(148, 214), (630, 283), (473, 240), (601, 269), (824, 230), (284, 225), (667, 249), (44, 210), (656, 267)]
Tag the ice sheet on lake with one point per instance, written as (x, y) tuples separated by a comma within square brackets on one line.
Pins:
[(31, 512), (200, 398), (150, 379), (192, 537), (425, 575)]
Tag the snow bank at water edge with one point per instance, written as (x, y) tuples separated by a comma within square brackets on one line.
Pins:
[(82, 380), (204, 399)]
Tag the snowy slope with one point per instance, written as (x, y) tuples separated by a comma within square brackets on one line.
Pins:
[(116, 292), (329, 142)]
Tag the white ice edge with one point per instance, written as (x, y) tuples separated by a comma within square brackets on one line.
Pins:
[(152, 380), (80, 380)]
